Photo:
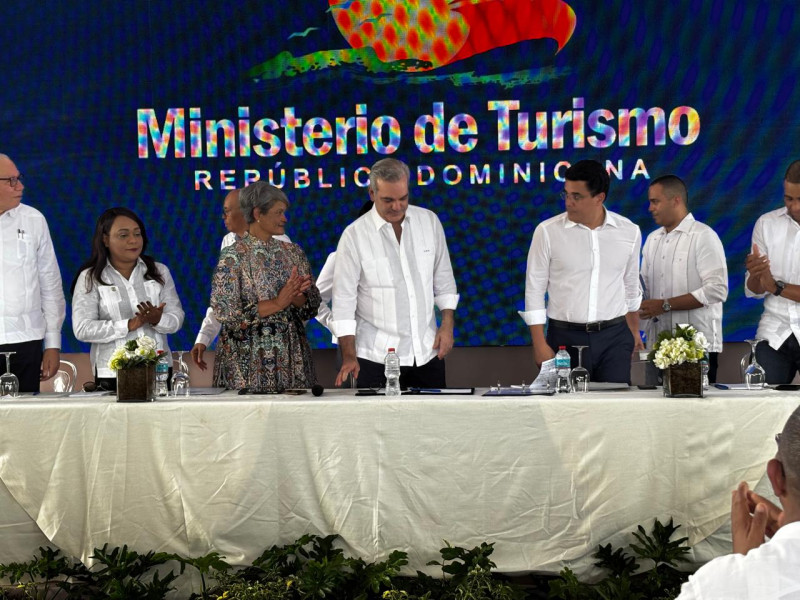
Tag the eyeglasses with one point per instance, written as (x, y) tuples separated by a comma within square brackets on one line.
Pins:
[(91, 386), (12, 181), (574, 197)]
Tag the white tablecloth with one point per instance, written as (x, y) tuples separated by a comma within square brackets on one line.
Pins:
[(545, 478)]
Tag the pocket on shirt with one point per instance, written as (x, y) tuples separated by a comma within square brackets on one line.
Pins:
[(153, 291), (426, 257), (110, 299), (377, 272)]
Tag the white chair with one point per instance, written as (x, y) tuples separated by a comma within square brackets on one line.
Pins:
[(64, 380)]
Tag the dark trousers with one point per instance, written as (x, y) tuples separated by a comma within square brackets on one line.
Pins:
[(429, 375), (608, 353), (26, 364), (781, 364)]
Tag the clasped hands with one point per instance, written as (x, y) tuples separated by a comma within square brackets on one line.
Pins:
[(146, 314), (293, 291), (758, 267), (752, 517)]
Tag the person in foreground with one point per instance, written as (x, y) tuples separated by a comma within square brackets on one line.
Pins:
[(392, 265), (759, 568), (773, 273), (32, 307), (684, 273), (237, 226), (121, 293), (262, 293), (587, 262)]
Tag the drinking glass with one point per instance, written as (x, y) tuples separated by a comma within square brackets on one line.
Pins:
[(579, 376), (754, 375), (180, 377), (9, 383)]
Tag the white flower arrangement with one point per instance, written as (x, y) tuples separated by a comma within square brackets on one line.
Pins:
[(141, 351), (685, 344)]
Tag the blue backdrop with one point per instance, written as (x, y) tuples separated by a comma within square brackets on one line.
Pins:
[(108, 104)]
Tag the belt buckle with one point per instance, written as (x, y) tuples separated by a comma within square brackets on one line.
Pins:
[(593, 327)]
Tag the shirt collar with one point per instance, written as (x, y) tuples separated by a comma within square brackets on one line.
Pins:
[(686, 224), (378, 221), (608, 219)]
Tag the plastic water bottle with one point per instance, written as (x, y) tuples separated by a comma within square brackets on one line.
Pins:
[(704, 370), (392, 372), (563, 365), (162, 374)]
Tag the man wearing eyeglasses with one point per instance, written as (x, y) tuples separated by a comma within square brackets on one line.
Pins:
[(759, 568), (236, 225), (586, 260), (32, 307)]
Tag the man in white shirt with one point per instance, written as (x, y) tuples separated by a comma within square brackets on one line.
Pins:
[(684, 273), (236, 225), (773, 273), (32, 307), (759, 569), (587, 262), (392, 266)]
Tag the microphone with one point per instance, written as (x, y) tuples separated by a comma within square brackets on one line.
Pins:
[(317, 389)]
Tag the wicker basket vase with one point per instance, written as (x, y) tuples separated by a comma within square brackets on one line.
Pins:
[(136, 384), (683, 381)]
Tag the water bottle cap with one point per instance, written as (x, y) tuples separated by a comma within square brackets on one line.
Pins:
[(391, 349), (562, 347)]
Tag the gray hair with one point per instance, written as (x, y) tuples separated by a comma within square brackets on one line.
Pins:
[(388, 169), (259, 196), (789, 449)]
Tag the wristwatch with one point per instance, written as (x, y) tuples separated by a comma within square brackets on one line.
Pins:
[(779, 287), (666, 306)]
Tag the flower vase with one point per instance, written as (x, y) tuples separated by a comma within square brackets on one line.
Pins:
[(684, 380), (136, 384)]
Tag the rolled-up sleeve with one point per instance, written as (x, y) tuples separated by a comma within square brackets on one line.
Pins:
[(713, 270), (172, 317), (537, 275), (346, 275), (445, 292), (54, 307), (633, 291)]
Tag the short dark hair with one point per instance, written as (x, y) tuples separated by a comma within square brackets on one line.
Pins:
[(793, 172), (593, 173), (789, 449), (673, 186)]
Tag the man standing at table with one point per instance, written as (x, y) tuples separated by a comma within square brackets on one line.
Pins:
[(758, 568), (234, 221), (32, 307), (587, 262), (773, 273), (392, 266), (684, 273)]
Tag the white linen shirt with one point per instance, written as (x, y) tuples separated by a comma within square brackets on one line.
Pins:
[(588, 274), (778, 236), (325, 287), (210, 327), (768, 572), (689, 259), (32, 305), (384, 291), (101, 315)]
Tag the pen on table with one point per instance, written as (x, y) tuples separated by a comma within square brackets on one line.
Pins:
[(426, 390)]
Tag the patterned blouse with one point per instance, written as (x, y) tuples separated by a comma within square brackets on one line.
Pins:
[(266, 354)]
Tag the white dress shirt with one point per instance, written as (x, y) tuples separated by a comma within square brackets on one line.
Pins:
[(101, 315), (209, 328), (778, 236), (32, 305), (325, 287), (588, 274), (689, 259), (768, 572), (384, 291)]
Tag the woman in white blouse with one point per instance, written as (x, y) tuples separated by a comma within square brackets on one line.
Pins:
[(121, 293)]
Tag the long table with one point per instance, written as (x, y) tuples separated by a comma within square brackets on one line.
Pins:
[(545, 478)]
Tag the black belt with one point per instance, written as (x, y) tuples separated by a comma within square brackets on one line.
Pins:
[(594, 326)]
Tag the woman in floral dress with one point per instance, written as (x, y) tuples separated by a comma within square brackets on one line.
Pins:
[(262, 294)]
